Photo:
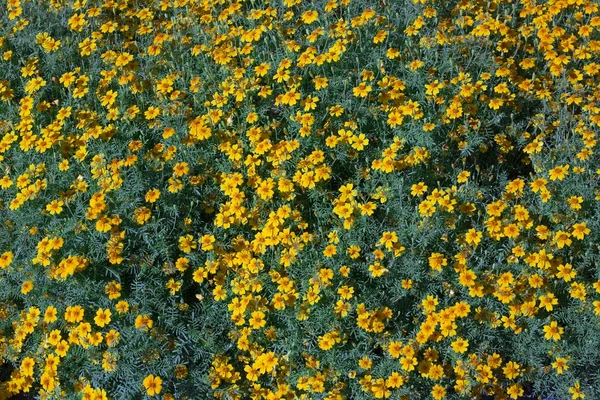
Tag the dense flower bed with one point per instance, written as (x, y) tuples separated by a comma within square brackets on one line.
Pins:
[(298, 199)]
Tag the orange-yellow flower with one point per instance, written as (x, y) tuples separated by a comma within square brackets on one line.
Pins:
[(473, 237), (102, 317), (257, 320), (153, 385), (6, 258), (560, 365), (388, 239), (362, 90), (553, 331)]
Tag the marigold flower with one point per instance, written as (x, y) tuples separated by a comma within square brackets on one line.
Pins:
[(473, 237), (102, 317), (27, 287), (553, 331), (560, 365), (153, 385), (460, 345), (6, 258)]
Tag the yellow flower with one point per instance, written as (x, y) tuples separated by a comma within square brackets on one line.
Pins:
[(437, 261), (152, 195), (103, 224), (27, 366), (265, 189), (367, 208), (47, 381), (559, 172), (61, 348), (380, 36), (548, 301), (109, 98), (50, 315), (153, 385), (463, 177), (553, 331), (429, 127), (362, 90), (187, 243), (55, 207), (377, 270), (122, 306), (336, 110), (516, 185), (52, 362), (511, 231), (152, 112), (257, 320), (575, 390), (460, 345), (359, 141), (173, 286), (566, 272), (64, 165), (207, 242), (262, 69), (388, 239), (6, 258), (181, 169), (577, 291), (142, 215), (87, 47), (562, 238), (415, 65), (266, 362), (574, 202), (6, 182), (438, 392), (27, 287), (515, 391), (430, 303), (76, 22), (123, 59), (427, 208), (365, 362), (252, 374), (291, 97), (219, 293), (408, 363), (473, 237), (310, 103), (74, 314), (330, 251), (433, 88), (496, 103), (143, 321), (54, 337), (580, 230), (418, 189), (560, 365), (512, 370), (320, 82), (454, 110), (309, 17), (102, 317), (34, 85)]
